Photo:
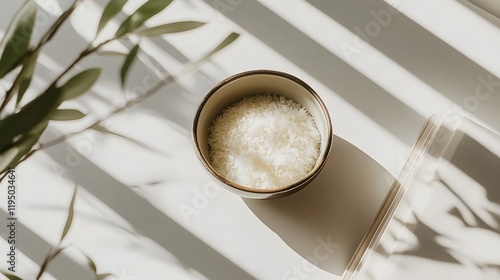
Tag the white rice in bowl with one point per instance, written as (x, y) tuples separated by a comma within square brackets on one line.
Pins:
[(264, 141)]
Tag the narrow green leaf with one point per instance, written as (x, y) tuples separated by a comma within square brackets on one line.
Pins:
[(128, 62), (27, 74), (15, 153), (56, 252), (11, 276), (12, 21), (110, 11), (8, 157), (103, 276), (80, 83), (66, 115), (145, 12), (39, 109), (18, 43), (111, 53), (91, 264), (29, 118), (23, 146), (226, 42), (93, 267), (69, 220), (174, 27), (39, 127)]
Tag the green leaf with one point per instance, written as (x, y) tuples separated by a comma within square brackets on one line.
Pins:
[(56, 252), (91, 264), (27, 74), (110, 11), (66, 115), (111, 53), (22, 147), (18, 43), (80, 83), (39, 109), (8, 157), (145, 12), (69, 220), (11, 276), (103, 276), (13, 21), (174, 27), (128, 62), (226, 42), (93, 267), (29, 118)]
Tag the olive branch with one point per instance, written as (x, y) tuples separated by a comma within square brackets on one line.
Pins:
[(22, 127), (22, 123)]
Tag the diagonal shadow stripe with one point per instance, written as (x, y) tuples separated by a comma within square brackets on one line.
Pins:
[(333, 72), (35, 248), (489, 17), (422, 53), (151, 222)]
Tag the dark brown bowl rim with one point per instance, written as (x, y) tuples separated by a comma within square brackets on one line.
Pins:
[(309, 176)]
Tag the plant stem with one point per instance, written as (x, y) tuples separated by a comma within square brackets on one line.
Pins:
[(43, 267), (57, 24), (45, 39), (89, 50), (165, 81), (127, 105), (48, 259), (53, 30)]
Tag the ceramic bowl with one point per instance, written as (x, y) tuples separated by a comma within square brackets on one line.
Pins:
[(234, 89)]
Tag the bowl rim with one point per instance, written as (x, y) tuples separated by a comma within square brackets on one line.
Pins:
[(310, 175)]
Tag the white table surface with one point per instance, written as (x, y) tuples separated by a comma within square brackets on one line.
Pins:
[(149, 211)]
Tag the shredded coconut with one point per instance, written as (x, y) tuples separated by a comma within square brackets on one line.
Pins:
[(264, 141)]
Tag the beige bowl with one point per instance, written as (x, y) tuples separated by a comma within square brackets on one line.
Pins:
[(234, 89)]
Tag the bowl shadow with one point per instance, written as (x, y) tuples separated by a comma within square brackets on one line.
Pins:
[(325, 222)]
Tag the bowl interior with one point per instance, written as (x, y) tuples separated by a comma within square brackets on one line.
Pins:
[(237, 87)]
